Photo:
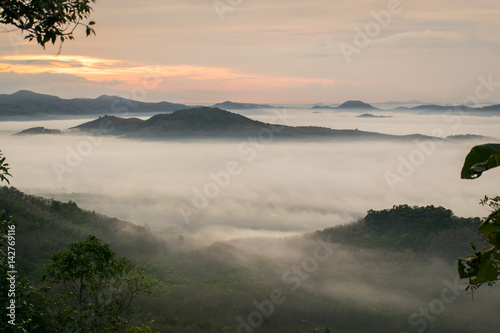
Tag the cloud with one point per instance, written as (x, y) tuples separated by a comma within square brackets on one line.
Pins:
[(423, 38), (64, 85), (287, 188), (166, 78), (276, 51)]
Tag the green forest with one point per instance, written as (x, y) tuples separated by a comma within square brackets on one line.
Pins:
[(366, 276)]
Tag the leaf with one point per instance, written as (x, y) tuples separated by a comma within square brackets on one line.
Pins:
[(491, 225), (488, 271), (468, 267), (481, 158), (488, 227), (496, 240), (480, 267)]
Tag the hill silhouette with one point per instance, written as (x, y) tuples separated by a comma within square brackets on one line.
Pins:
[(356, 105), (228, 105), (38, 130), (24, 104), (215, 123), (369, 115), (430, 229)]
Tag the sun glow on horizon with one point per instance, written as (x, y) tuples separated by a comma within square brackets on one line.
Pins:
[(166, 77)]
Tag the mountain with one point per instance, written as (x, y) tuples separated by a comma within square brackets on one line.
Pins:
[(26, 104), (324, 107), (490, 108), (356, 105), (403, 103), (56, 224), (196, 122), (38, 130), (423, 108), (369, 115), (349, 105), (460, 109), (110, 125), (406, 227), (469, 137), (442, 108), (214, 123), (228, 105)]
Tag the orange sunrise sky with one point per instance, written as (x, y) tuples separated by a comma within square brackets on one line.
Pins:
[(286, 52)]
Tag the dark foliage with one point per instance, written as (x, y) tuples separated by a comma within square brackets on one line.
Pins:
[(47, 21), (430, 230)]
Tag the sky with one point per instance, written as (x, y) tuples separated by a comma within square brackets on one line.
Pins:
[(283, 52)]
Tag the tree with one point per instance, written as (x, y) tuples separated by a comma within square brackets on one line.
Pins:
[(47, 20), (93, 288), (88, 290), (483, 266), (4, 169)]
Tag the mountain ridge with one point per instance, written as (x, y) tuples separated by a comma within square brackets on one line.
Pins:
[(214, 123), (229, 105), (25, 104), (28, 104)]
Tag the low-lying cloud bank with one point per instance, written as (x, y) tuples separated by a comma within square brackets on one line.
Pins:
[(222, 190)]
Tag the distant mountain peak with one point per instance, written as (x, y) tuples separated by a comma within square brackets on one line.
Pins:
[(203, 115), (110, 125), (355, 105), (106, 97), (30, 95), (369, 115), (241, 106), (38, 130), (22, 92)]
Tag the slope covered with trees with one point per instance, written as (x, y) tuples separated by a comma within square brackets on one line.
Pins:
[(430, 230), (356, 278)]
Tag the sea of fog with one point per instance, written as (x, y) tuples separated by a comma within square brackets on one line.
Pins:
[(212, 191)]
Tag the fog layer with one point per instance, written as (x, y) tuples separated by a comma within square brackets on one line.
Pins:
[(221, 190)]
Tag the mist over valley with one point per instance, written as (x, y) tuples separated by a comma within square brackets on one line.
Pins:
[(274, 186), (274, 231)]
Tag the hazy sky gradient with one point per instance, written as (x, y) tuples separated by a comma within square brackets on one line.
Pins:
[(268, 51)]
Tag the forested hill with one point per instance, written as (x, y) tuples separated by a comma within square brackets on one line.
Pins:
[(394, 252), (432, 230), (47, 226), (214, 123)]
